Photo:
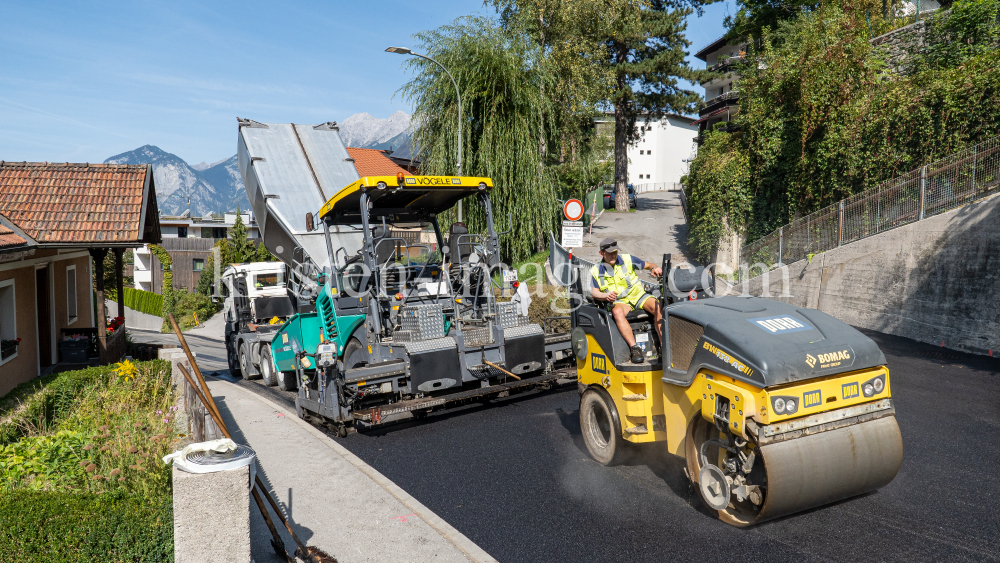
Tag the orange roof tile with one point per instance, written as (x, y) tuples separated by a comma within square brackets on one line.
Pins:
[(373, 162), (54, 203), (10, 238)]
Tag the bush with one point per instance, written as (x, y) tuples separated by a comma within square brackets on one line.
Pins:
[(144, 301), (822, 117), (58, 527), (189, 304)]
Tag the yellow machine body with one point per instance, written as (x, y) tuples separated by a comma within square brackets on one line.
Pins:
[(664, 410)]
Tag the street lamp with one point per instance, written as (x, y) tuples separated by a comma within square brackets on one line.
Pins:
[(458, 94)]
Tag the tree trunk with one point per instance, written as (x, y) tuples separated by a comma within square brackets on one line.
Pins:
[(621, 138)]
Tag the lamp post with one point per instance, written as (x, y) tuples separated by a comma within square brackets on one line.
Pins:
[(458, 94)]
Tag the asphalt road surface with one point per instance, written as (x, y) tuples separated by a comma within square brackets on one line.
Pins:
[(516, 479)]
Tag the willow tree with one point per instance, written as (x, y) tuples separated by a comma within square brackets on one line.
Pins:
[(502, 87)]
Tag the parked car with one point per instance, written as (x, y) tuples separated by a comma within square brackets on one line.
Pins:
[(609, 199)]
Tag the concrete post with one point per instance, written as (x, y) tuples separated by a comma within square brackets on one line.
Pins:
[(781, 244), (923, 190), (212, 516), (840, 230)]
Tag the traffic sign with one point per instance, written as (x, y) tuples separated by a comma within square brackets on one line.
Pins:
[(572, 236), (573, 209)]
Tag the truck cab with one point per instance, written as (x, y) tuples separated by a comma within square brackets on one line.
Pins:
[(255, 305)]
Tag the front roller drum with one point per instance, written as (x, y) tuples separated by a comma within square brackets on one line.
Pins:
[(802, 473)]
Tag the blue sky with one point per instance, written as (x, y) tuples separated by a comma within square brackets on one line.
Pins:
[(82, 81)]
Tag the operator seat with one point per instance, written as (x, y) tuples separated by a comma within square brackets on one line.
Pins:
[(385, 252), (458, 253)]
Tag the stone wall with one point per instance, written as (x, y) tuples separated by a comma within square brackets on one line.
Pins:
[(900, 43), (935, 280)]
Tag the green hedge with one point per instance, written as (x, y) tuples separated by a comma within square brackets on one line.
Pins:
[(60, 527), (144, 301)]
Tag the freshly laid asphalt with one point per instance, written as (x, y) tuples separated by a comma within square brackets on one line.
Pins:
[(516, 479)]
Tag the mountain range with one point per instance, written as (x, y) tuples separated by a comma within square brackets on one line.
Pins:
[(205, 188)]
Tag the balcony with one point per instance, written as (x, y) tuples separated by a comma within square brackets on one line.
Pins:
[(725, 65), (718, 102)]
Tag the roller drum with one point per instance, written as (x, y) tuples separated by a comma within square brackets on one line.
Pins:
[(818, 469)]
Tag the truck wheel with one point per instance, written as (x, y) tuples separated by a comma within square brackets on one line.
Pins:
[(286, 380), (354, 354), (245, 361), (602, 431), (267, 371), (233, 359)]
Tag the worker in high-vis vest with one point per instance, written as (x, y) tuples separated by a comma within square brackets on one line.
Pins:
[(615, 280)]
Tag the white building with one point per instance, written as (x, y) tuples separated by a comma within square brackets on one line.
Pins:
[(721, 91), (660, 155), (189, 256)]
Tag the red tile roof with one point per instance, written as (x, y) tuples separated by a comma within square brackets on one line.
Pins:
[(373, 162), (9, 238), (76, 203)]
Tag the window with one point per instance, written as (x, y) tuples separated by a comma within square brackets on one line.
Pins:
[(71, 294), (641, 152), (271, 279), (182, 232), (199, 264), (8, 322)]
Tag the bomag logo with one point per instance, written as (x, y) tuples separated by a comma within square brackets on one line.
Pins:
[(599, 363), (834, 357), (810, 360), (812, 398), (849, 390)]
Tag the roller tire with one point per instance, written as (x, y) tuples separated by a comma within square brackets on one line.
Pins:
[(601, 427), (245, 366), (286, 380), (267, 370)]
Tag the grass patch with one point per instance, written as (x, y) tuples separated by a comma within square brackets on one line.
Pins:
[(80, 466)]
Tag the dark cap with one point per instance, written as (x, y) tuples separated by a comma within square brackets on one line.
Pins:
[(609, 245)]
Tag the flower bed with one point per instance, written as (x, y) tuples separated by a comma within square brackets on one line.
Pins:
[(90, 440)]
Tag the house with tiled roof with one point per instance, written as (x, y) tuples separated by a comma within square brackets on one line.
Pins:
[(374, 162), (57, 223)]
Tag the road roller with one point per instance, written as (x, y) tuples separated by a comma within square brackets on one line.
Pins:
[(775, 408)]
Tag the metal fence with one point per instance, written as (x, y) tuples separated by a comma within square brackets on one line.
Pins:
[(935, 188), (657, 187)]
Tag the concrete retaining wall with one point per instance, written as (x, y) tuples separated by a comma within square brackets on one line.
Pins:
[(936, 281), (135, 319)]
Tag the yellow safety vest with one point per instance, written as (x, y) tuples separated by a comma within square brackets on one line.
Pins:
[(623, 280)]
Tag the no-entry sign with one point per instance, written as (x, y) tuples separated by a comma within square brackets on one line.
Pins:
[(573, 209)]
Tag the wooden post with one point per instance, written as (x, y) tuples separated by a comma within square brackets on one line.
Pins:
[(119, 281), (100, 322)]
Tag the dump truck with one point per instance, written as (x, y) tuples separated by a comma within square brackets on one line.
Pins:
[(254, 305), (386, 327), (775, 408)]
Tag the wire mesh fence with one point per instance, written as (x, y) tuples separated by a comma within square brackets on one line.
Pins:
[(936, 188)]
